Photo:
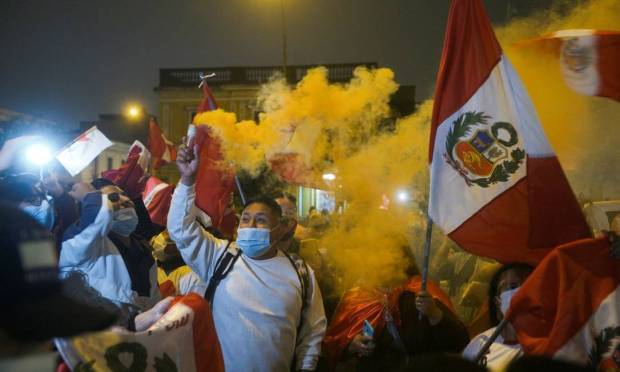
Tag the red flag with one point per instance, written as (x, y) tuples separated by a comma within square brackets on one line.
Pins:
[(162, 149), (157, 196), (497, 188), (589, 60), (569, 307), (131, 175), (215, 182), (208, 102)]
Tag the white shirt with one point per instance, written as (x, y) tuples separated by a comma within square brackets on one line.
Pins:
[(93, 257), (257, 307), (499, 355)]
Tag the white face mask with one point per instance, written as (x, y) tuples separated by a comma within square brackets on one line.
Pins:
[(505, 298), (125, 221)]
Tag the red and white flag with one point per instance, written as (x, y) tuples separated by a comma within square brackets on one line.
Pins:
[(157, 196), (497, 188), (183, 339), (163, 150), (131, 175), (81, 151), (569, 307), (215, 182), (589, 60)]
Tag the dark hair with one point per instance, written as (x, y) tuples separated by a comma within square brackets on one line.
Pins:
[(313, 208), (267, 201), (19, 188), (520, 267), (286, 195), (100, 183)]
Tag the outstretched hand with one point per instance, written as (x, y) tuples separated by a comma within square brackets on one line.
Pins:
[(188, 159)]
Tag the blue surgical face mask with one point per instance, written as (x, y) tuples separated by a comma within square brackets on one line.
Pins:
[(125, 221), (253, 242), (44, 213)]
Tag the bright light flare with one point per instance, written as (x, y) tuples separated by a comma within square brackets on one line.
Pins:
[(38, 154), (402, 196), (134, 111), (329, 176)]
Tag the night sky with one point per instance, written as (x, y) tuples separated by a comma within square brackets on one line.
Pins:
[(71, 60)]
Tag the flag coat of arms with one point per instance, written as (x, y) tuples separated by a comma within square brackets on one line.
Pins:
[(569, 307), (78, 154), (588, 59), (497, 188)]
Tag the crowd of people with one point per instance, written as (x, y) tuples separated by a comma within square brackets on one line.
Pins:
[(83, 256)]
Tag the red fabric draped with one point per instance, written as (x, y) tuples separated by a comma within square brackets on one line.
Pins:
[(361, 304)]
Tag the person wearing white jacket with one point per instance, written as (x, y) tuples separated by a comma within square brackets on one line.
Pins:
[(102, 260), (258, 310)]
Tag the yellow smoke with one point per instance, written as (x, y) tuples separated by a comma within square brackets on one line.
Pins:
[(317, 120), (582, 130), (367, 242), (336, 127)]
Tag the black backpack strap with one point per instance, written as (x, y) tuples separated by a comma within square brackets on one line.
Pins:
[(223, 266), (304, 279)]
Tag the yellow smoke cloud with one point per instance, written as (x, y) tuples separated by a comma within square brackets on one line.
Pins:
[(336, 127), (317, 120)]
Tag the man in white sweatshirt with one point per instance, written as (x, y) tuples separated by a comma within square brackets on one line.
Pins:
[(266, 318)]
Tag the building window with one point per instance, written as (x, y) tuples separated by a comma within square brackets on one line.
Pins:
[(110, 163)]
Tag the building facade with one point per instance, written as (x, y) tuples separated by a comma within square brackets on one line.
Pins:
[(235, 89)]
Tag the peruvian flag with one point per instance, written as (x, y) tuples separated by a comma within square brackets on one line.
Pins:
[(81, 151), (131, 176), (569, 307), (497, 188), (215, 182), (183, 339), (157, 196), (162, 149), (589, 60)]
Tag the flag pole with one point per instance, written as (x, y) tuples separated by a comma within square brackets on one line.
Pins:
[(203, 80), (427, 250), (500, 327), (241, 194), (427, 253)]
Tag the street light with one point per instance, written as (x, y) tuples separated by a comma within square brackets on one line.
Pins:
[(133, 111)]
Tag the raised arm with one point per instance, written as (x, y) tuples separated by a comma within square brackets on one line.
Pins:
[(84, 238), (198, 248)]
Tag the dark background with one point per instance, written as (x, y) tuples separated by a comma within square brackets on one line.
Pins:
[(69, 60)]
